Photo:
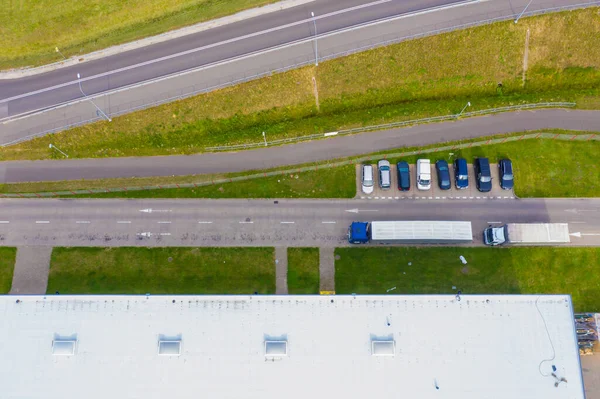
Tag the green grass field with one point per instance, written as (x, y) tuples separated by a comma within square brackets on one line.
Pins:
[(162, 271), (489, 271), (30, 30), (7, 265), (414, 79), (303, 270)]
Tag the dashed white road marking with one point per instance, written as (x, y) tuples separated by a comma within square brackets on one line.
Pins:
[(287, 222), (42, 221), (123, 221), (204, 222), (328, 222), (493, 222), (246, 222), (4, 222), (164, 222), (567, 222), (82, 222)]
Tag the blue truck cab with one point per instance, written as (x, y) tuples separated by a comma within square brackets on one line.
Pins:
[(358, 233)]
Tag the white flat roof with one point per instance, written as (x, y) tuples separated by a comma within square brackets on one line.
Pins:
[(497, 346)]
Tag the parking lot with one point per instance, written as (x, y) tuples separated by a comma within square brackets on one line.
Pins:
[(434, 193)]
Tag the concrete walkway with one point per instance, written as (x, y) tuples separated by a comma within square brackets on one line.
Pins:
[(281, 269), (590, 365), (31, 270), (327, 269)]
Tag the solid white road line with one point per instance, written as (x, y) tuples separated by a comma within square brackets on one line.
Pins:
[(42, 221)]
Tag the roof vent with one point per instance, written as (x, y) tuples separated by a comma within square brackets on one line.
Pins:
[(63, 347), (383, 348), (169, 348), (275, 348)]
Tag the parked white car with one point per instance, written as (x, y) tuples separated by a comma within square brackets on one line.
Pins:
[(423, 174), (367, 179)]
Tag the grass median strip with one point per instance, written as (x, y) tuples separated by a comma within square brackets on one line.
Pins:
[(32, 29), (8, 255), (544, 167), (541, 270), (303, 271), (162, 271), (414, 79)]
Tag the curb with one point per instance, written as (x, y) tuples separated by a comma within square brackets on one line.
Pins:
[(163, 37), (552, 136)]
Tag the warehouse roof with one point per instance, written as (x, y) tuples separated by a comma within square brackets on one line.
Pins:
[(292, 346)]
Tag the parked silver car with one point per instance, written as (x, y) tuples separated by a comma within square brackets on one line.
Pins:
[(385, 174)]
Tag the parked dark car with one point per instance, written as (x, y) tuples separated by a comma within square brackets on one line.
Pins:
[(483, 175), (461, 173), (506, 174), (443, 174), (403, 176)]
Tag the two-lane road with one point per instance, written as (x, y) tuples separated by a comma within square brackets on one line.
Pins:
[(203, 48), (235, 53), (262, 222)]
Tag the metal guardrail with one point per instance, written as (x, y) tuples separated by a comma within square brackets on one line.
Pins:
[(283, 66), (371, 158), (391, 125)]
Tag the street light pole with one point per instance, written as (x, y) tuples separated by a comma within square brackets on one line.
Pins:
[(57, 149), (523, 12), (90, 100), (265, 139), (316, 45), (59, 52), (463, 110)]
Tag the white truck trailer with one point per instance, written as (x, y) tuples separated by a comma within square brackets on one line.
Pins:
[(421, 232), (527, 234)]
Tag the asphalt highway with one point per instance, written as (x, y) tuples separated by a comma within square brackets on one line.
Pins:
[(55, 222), (263, 158), (219, 57), (207, 47)]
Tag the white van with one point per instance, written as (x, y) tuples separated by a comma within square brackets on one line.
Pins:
[(423, 174), (367, 179)]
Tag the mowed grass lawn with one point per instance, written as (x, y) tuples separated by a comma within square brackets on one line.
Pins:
[(400, 82), (541, 270), (7, 265), (162, 271), (30, 30), (303, 270), (543, 168)]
